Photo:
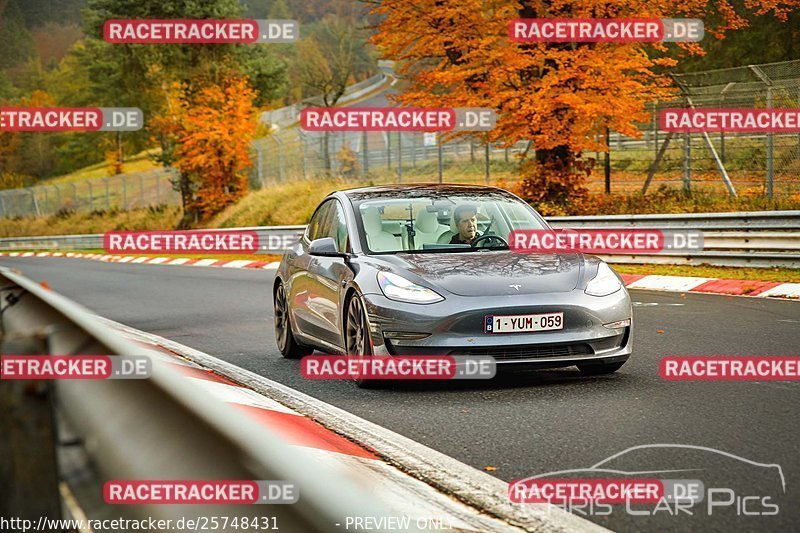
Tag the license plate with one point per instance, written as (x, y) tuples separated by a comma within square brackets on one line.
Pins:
[(523, 323)]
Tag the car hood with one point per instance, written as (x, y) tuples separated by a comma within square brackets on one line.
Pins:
[(494, 273)]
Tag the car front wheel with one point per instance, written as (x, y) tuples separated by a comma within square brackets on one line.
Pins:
[(356, 335), (284, 336)]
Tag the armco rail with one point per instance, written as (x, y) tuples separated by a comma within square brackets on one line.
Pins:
[(157, 428), (758, 239)]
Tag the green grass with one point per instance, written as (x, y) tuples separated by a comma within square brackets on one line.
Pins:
[(136, 163), (159, 218), (787, 275)]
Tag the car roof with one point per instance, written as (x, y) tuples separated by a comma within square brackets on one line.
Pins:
[(418, 190)]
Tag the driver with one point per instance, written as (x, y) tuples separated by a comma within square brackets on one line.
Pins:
[(466, 219)]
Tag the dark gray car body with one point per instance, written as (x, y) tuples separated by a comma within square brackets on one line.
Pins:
[(474, 284)]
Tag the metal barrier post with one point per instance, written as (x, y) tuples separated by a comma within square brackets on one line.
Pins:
[(305, 157), (124, 192), (280, 157), (687, 161), (770, 150), (58, 198), (364, 153), (260, 165), (388, 138), (439, 155), (399, 157), (486, 162), (35, 202)]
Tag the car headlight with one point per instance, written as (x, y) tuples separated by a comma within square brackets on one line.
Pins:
[(604, 283), (399, 288)]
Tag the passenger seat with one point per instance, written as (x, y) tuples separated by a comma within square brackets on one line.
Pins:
[(378, 239), (428, 229)]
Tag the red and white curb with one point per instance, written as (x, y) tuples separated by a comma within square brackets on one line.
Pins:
[(146, 260), (733, 287), (398, 472), (736, 287)]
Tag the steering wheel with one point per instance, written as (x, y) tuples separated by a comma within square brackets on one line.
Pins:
[(489, 238)]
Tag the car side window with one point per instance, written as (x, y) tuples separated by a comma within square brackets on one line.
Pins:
[(329, 221), (316, 225), (338, 228)]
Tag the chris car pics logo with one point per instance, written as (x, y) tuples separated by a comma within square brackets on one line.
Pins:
[(660, 479)]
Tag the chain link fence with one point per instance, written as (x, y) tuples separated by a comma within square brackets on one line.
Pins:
[(378, 157), (740, 163), (121, 192), (754, 164)]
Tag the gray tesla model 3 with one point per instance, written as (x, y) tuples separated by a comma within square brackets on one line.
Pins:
[(427, 270)]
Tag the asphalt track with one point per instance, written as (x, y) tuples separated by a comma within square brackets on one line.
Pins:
[(526, 424)]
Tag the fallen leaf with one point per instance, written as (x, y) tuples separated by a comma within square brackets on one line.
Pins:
[(489, 468), (659, 331)]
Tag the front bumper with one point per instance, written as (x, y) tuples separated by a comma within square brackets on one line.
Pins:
[(455, 327)]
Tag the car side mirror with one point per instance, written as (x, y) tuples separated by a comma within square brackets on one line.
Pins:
[(325, 246)]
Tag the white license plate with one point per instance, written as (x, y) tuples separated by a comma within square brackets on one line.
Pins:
[(523, 323)]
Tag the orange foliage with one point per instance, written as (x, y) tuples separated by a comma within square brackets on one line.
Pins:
[(212, 127), (11, 142), (563, 96)]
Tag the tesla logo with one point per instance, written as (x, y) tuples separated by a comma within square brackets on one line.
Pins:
[(516, 287)]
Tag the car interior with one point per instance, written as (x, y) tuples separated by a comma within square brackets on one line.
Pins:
[(387, 224)]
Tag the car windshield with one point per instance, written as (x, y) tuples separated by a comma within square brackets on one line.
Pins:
[(442, 223)]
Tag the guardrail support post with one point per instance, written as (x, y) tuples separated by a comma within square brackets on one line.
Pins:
[(28, 471)]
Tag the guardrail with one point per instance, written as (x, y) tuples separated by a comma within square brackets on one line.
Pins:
[(757, 238), (760, 239), (113, 424), (741, 221)]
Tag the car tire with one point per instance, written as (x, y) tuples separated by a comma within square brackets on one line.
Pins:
[(284, 336), (356, 336), (599, 369)]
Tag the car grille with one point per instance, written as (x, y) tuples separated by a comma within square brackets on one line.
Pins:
[(528, 352)]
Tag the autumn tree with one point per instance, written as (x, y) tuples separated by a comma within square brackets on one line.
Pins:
[(333, 53), (561, 96), (210, 126)]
